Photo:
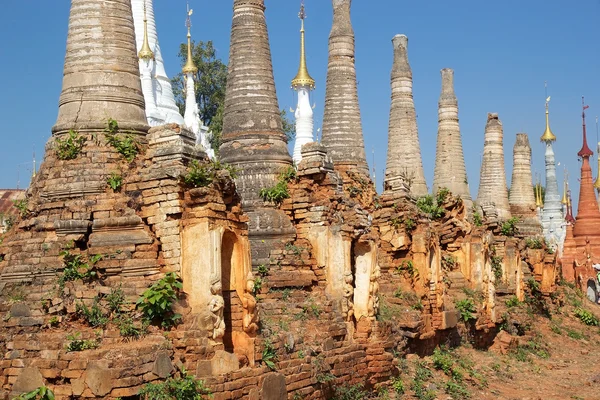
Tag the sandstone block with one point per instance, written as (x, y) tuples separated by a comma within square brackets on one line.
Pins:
[(273, 387), (28, 380)]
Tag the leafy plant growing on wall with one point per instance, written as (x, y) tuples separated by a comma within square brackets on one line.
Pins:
[(205, 173), (278, 193), (509, 227), (41, 393), (466, 309), (182, 387), (115, 181), (126, 145), (157, 301), (69, 147)]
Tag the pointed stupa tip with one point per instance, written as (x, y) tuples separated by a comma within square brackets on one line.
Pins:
[(189, 67), (448, 83), (585, 149), (548, 136), (303, 78), (146, 52), (564, 200), (492, 119)]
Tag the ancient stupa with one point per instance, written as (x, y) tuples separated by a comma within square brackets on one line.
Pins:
[(450, 171), (303, 84), (156, 85), (553, 222), (404, 165), (253, 138), (342, 128), (493, 191), (521, 197)]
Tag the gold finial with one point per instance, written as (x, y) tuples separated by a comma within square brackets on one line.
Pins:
[(597, 183), (303, 78), (189, 67), (146, 52), (564, 199), (538, 201), (548, 136)]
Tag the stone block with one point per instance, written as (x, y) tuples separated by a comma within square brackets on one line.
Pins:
[(20, 310), (449, 319), (28, 380), (99, 379), (224, 362), (163, 367), (273, 387)]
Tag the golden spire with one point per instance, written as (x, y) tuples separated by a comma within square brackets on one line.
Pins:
[(146, 52), (597, 183), (303, 78), (538, 201), (564, 199), (189, 67), (548, 136)]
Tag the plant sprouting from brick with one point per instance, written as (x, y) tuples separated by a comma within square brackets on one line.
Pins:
[(77, 266), (269, 356), (534, 243), (115, 181), (156, 303), (125, 144), (257, 287), (183, 386), (202, 174), (263, 270), (41, 393), (448, 262), (23, 207), (69, 147), (466, 309), (407, 267), (350, 392), (442, 196), (477, 218), (93, 315), (428, 206), (78, 344), (509, 227), (279, 192)]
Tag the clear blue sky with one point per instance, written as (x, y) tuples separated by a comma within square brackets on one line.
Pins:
[(502, 52)]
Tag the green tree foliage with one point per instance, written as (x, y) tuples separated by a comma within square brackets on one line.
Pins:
[(289, 127), (211, 81)]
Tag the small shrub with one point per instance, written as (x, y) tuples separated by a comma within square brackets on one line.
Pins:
[(116, 300), (126, 145), (157, 301), (263, 270), (586, 317), (128, 329), (496, 263), (94, 315), (182, 387), (54, 321), (408, 268), (205, 173), (398, 385), (457, 390), (534, 243), (23, 207), (477, 219), (512, 302), (115, 181), (41, 393), (269, 356), (350, 392), (448, 262), (442, 360), (78, 344), (77, 266), (70, 147), (257, 285), (428, 206), (467, 309), (275, 194), (509, 227), (442, 195)]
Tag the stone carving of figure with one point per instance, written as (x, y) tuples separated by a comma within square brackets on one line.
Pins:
[(250, 317), (216, 306), (588, 257), (373, 292), (347, 304)]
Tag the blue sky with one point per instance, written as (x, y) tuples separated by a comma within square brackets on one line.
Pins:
[(502, 52)]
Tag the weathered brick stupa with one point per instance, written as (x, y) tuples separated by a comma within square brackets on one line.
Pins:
[(569, 253), (493, 191), (91, 83), (156, 85), (553, 222), (587, 225), (342, 128), (253, 138), (521, 197), (404, 164), (450, 171)]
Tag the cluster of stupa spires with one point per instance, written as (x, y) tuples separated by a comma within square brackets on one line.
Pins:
[(158, 93)]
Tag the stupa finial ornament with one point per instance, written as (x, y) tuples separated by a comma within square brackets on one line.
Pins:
[(303, 78), (548, 136), (146, 52), (189, 67)]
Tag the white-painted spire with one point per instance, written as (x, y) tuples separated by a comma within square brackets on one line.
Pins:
[(156, 86), (303, 84)]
